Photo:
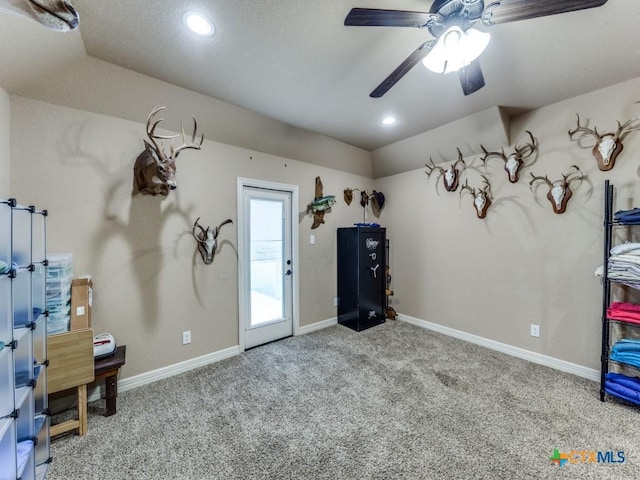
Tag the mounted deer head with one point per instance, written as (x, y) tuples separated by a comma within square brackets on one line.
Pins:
[(514, 163), (53, 14), (481, 196), (560, 190), (155, 171), (450, 176), (608, 145), (207, 240)]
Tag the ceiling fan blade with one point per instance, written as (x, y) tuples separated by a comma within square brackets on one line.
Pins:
[(410, 62), (373, 17), (471, 78), (504, 11)]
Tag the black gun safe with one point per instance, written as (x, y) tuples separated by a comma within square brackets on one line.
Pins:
[(361, 277)]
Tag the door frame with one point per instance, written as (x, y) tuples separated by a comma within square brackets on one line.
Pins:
[(295, 308)]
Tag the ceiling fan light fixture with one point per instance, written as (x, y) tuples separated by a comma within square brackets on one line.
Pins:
[(198, 24), (456, 49)]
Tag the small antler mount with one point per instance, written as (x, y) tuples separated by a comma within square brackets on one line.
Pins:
[(514, 162), (451, 175), (560, 191), (207, 239), (608, 145), (482, 197)]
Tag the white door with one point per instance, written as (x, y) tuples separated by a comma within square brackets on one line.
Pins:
[(267, 266)]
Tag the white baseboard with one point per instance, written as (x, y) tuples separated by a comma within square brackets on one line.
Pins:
[(317, 326), (168, 371), (187, 365), (181, 367), (562, 365)]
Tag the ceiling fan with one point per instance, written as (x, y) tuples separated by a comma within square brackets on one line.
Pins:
[(450, 22)]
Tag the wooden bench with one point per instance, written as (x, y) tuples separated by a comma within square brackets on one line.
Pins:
[(107, 369)]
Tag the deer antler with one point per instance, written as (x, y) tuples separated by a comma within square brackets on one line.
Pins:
[(626, 128), (203, 232), (153, 136), (535, 178), (488, 154), (527, 149), (514, 162), (481, 196), (195, 145), (208, 240), (459, 160), (584, 130), (559, 192), (151, 133), (608, 145), (566, 177), (432, 167), (487, 185), (154, 169), (467, 187)]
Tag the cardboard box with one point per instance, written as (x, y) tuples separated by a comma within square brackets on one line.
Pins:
[(81, 300)]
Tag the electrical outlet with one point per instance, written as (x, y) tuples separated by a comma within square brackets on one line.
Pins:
[(535, 330), (186, 337), (335, 301)]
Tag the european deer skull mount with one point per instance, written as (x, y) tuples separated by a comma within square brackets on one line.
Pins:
[(560, 190), (207, 239), (513, 163), (450, 176), (155, 170), (481, 196), (56, 15), (608, 145)]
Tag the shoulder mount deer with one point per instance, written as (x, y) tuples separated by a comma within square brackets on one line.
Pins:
[(608, 145), (482, 197), (155, 170), (450, 176), (207, 239), (56, 15), (560, 191), (515, 162)]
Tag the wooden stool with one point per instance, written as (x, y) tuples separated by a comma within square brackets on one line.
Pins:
[(107, 369)]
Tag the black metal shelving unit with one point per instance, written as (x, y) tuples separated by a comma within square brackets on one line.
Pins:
[(609, 224)]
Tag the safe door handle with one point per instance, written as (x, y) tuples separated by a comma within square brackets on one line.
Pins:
[(373, 269)]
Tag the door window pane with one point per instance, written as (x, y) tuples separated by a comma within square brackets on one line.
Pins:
[(267, 260)]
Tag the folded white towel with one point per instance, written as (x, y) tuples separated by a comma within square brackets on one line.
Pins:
[(624, 247)]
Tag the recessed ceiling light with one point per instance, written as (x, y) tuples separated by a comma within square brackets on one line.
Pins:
[(389, 120), (198, 23)]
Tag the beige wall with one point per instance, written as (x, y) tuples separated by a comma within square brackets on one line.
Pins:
[(149, 285), (97, 86), (523, 264), (492, 278), (5, 134)]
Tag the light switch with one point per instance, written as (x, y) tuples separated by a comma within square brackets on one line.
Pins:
[(312, 239)]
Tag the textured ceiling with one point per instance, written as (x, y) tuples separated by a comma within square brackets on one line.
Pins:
[(295, 61)]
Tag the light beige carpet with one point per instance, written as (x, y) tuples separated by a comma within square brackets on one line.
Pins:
[(391, 402)]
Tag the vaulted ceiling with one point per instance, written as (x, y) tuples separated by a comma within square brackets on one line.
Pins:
[(295, 61)]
